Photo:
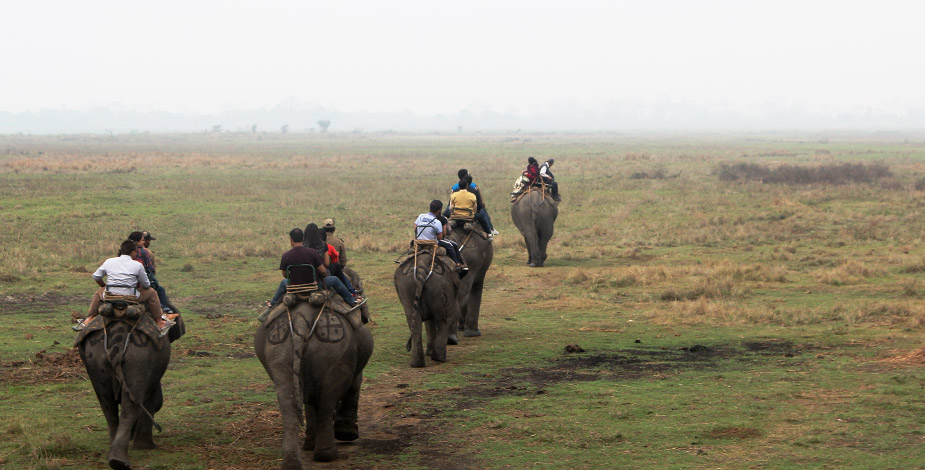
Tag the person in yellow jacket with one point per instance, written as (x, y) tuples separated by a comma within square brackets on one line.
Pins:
[(463, 203)]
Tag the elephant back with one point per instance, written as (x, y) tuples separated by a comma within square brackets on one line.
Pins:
[(143, 325)]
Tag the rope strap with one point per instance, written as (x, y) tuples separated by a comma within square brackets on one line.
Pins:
[(301, 288)]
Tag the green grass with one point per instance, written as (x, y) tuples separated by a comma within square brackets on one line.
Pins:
[(725, 324)]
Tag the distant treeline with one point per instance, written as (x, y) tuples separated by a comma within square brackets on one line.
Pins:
[(837, 173)]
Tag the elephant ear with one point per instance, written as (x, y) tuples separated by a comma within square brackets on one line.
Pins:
[(278, 310)]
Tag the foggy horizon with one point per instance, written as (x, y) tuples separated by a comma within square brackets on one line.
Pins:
[(427, 66)]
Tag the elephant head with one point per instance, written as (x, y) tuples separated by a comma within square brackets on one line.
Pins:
[(535, 214), (125, 361), (427, 287), (315, 358), (477, 251)]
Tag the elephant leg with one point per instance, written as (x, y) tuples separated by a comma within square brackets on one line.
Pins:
[(310, 435), (542, 241), (144, 427), (345, 420), (531, 240), (325, 447), (473, 307), (415, 326), (279, 366), (118, 448), (430, 326)]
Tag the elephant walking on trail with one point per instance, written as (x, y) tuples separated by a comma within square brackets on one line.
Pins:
[(315, 358), (477, 251), (534, 213), (427, 285), (125, 359)]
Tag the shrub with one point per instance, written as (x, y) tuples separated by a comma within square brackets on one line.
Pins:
[(841, 173)]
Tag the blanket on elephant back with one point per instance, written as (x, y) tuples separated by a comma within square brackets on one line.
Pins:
[(333, 303), (145, 325), (425, 253), (515, 196)]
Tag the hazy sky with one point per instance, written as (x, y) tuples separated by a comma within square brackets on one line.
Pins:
[(445, 56)]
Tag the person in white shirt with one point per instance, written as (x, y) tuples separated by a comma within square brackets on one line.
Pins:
[(429, 226), (125, 276), (549, 178)]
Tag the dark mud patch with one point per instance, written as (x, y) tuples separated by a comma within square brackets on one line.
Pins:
[(733, 432), (44, 367), (12, 304)]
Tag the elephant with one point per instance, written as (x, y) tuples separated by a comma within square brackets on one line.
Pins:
[(534, 213), (125, 359), (315, 358), (428, 296), (477, 251)]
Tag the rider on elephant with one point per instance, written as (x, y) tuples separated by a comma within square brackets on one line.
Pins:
[(125, 277), (429, 226), (292, 265), (335, 241), (481, 215), (549, 179), (482, 211), (314, 238), (146, 258)]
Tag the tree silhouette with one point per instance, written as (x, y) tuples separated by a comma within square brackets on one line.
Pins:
[(323, 124), (284, 129)]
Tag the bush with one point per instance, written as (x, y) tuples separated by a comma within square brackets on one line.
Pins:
[(841, 173), (920, 184)]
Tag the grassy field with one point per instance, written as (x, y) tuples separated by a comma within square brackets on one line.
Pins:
[(738, 305)]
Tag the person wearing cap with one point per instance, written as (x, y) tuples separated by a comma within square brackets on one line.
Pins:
[(125, 276), (146, 258), (337, 242)]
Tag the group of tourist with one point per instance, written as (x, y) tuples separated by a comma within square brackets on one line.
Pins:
[(317, 257), (131, 274)]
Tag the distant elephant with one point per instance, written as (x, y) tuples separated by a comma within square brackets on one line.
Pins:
[(315, 360), (125, 362), (534, 215), (477, 252), (429, 296)]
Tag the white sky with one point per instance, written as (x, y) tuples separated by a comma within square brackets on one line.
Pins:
[(445, 56)]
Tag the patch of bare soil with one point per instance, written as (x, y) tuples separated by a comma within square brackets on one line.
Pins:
[(916, 357), (384, 432), (10, 304), (45, 367)]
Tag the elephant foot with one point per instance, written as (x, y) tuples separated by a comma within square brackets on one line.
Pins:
[(532, 265), (309, 443), (438, 359), (452, 340), (291, 464), (325, 455), (119, 464), (144, 445), (415, 363), (471, 333)]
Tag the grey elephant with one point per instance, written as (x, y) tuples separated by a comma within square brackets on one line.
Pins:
[(125, 359), (427, 290), (477, 251), (534, 213), (315, 357)]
